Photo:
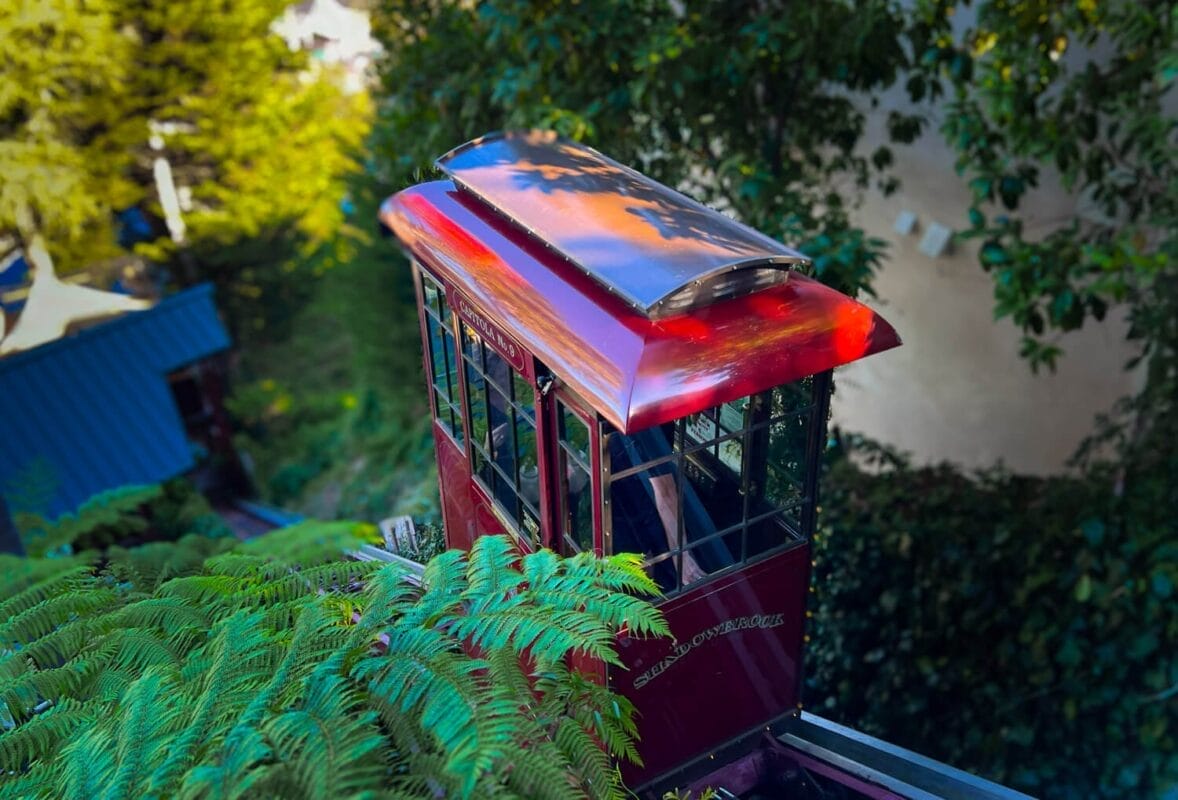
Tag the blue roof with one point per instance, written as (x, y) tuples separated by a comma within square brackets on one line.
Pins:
[(93, 411)]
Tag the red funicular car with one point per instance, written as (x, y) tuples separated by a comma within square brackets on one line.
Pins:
[(615, 367)]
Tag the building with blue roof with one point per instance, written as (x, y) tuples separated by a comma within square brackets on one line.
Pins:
[(131, 400)]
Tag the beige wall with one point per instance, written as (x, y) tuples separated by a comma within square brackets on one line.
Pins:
[(957, 389)]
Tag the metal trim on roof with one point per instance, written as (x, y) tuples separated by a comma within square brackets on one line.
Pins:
[(655, 248)]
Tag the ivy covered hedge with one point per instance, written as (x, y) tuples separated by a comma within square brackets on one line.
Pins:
[(1025, 629)]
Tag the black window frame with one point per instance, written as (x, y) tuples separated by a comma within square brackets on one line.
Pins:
[(445, 392), (796, 518), (505, 489)]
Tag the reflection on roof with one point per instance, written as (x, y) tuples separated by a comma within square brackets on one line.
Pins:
[(633, 370), (661, 252)]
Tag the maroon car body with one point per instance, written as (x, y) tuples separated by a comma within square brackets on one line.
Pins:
[(617, 334)]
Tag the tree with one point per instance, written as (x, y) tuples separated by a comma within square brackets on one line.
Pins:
[(63, 67), (747, 106), (1081, 94), (259, 140)]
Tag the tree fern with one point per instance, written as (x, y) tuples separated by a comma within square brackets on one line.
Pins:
[(44, 734), (87, 764), (204, 668), (145, 730)]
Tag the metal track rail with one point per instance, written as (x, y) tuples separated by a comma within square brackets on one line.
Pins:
[(836, 751)]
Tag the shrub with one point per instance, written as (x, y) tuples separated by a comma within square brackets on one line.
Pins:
[(1021, 628)]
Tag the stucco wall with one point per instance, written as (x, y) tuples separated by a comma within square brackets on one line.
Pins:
[(957, 390)]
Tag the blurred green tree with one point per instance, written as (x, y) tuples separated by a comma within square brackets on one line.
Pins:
[(255, 134), (747, 106)]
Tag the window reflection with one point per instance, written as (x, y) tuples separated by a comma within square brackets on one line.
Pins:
[(502, 415), (713, 489), (573, 473), (442, 359)]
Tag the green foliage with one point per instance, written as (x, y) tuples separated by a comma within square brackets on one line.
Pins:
[(97, 522), (126, 515), (352, 437), (1021, 628), (210, 668), (1080, 94), (261, 142), (746, 106)]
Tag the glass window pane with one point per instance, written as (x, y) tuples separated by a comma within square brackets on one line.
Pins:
[(637, 526), (523, 395), (472, 346), (456, 426), (576, 513), (498, 371), (781, 490), (574, 432), (531, 527), (499, 422), (430, 290), (732, 415), (437, 351), (529, 470), (444, 309), (787, 445), (701, 427), (731, 455), (715, 554), (791, 397), (477, 392)]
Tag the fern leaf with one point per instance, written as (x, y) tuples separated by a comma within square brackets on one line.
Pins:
[(62, 582), (42, 735), (537, 772), (87, 764), (491, 567), (60, 645), (23, 693), (144, 732), (334, 751), (43, 617)]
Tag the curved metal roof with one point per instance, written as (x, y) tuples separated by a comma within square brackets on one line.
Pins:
[(661, 252), (635, 371)]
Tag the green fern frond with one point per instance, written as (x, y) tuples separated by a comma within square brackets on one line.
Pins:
[(23, 693), (229, 675), (64, 581), (145, 731), (331, 577), (538, 773), (211, 590), (241, 772), (42, 735), (39, 782), (491, 567), (621, 572), (35, 622), (147, 566), (333, 748), (598, 775), (609, 716), (87, 764), (312, 542), (61, 644), (171, 616), (243, 565)]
